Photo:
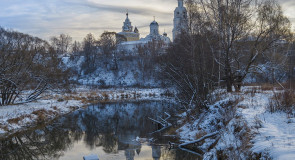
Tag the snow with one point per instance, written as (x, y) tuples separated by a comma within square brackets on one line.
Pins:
[(115, 94), (277, 133), (18, 117), (273, 134), (24, 115), (132, 71)]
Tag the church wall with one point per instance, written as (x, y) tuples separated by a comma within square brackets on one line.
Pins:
[(132, 39), (131, 36)]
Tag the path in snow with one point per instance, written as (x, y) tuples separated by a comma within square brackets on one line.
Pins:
[(277, 133)]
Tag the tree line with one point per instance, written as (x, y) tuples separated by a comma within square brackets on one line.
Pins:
[(227, 41), (28, 67)]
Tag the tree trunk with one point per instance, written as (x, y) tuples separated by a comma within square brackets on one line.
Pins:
[(228, 77)]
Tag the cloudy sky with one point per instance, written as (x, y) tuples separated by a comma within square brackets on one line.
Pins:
[(46, 18)]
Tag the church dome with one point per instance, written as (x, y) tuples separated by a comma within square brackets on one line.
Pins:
[(165, 34), (154, 23), (154, 28)]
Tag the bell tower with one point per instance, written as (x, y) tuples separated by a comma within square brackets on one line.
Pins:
[(180, 20)]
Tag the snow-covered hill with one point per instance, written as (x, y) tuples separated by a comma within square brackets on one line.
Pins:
[(133, 71)]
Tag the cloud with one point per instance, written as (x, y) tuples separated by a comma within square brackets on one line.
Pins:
[(123, 8), (46, 18)]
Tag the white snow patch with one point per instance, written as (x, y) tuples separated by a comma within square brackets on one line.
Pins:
[(24, 116), (275, 131), (277, 134)]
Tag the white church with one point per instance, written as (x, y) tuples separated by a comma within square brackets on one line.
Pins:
[(129, 38)]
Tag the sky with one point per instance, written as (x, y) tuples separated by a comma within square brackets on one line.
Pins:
[(47, 18)]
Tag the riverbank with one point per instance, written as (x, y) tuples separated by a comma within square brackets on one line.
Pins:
[(15, 118), (247, 127)]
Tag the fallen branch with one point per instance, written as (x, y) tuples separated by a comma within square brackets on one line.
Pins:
[(169, 116), (160, 130), (157, 121), (190, 151), (181, 146), (199, 140), (163, 122)]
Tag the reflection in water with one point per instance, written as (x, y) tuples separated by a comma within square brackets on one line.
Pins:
[(156, 152), (107, 129)]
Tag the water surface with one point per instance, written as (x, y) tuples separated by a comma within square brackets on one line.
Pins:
[(108, 130)]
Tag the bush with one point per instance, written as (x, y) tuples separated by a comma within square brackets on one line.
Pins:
[(28, 63), (283, 101)]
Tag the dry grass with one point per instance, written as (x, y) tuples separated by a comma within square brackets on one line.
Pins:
[(267, 87), (271, 86), (283, 101), (43, 115), (201, 134), (105, 95), (73, 108), (245, 136), (55, 108), (85, 98), (152, 95), (241, 106), (60, 100), (16, 120), (289, 84), (4, 127), (264, 86), (167, 93), (172, 131)]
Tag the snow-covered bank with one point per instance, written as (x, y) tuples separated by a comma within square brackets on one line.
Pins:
[(246, 128), (275, 131), (115, 94), (14, 118)]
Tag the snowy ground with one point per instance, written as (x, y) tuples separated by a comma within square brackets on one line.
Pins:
[(276, 135), (18, 117), (125, 93), (245, 130), (130, 73)]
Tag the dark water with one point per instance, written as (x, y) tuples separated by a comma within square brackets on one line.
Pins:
[(106, 130)]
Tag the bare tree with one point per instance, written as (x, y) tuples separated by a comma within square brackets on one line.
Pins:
[(76, 47), (62, 43), (149, 54), (190, 66), (26, 63), (245, 30), (90, 53), (108, 46)]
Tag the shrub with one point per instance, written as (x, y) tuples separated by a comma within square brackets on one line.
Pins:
[(282, 101)]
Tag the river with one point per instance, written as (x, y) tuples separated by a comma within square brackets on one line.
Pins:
[(108, 130)]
